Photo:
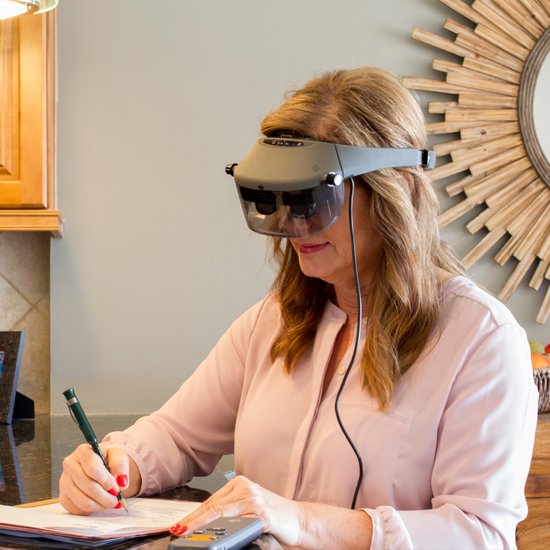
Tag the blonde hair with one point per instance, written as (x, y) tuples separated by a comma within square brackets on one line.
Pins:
[(368, 107)]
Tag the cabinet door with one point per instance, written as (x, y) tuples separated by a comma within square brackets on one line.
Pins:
[(27, 111)]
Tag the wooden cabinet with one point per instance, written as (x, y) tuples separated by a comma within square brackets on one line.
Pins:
[(534, 532), (28, 87)]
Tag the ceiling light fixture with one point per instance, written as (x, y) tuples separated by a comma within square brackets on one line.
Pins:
[(12, 8)]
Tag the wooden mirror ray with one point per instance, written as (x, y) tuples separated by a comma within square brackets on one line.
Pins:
[(499, 166)]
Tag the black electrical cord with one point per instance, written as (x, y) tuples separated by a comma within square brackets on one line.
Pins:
[(355, 347)]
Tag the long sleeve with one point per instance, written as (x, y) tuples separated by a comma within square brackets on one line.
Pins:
[(195, 427), (484, 445)]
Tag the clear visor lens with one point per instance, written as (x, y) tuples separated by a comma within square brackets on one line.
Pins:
[(292, 214)]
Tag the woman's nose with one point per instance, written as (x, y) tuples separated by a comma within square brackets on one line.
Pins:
[(296, 225)]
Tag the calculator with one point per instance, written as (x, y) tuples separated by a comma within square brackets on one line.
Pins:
[(221, 534)]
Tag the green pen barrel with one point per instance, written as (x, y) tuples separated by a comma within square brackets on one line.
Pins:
[(78, 414)]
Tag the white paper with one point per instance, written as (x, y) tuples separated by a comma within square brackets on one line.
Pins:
[(146, 515)]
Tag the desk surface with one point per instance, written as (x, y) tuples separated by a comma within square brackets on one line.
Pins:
[(31, 457)]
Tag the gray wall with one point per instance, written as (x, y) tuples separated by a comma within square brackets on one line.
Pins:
[(154, 99)]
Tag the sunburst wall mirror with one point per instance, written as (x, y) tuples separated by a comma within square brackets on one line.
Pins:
[(497, 122)]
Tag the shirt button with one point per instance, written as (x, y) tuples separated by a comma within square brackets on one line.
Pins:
[(341, 370)]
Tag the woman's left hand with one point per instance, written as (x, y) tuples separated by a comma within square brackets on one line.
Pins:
[(241, 497)]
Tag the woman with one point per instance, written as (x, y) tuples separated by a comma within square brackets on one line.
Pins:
[(440, 402)]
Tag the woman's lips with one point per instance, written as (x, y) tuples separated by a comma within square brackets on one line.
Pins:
[(311, 248)]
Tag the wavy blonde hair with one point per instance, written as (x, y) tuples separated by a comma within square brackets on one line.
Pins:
[(368, 107)]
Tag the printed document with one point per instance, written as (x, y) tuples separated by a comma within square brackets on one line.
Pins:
[(147, 516)]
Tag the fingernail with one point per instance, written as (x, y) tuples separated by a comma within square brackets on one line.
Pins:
[(122, 480), (178, 529), (113, 492), (119, 505)]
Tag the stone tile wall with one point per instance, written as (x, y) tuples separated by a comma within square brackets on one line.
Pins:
[(25, 305)]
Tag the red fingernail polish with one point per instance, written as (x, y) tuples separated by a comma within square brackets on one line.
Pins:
[(178, 529), (119, 505), (122, 480), (113, 492)]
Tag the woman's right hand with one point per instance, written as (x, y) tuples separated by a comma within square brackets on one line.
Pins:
[(86, 486)]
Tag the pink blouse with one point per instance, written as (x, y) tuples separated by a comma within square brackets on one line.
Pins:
[(445, 465)]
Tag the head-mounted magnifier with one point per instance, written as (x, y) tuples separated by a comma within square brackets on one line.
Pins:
[(295, 187)]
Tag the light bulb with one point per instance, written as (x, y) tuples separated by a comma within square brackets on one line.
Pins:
[(13, 8)]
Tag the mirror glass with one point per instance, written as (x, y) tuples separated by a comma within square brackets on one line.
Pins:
[(541, 107)]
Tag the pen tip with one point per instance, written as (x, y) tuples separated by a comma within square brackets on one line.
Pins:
[(123, 501)]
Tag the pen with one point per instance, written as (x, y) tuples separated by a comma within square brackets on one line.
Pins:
[(79, 416)]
